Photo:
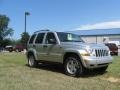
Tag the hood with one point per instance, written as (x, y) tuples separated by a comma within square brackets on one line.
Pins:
[(86, 45)]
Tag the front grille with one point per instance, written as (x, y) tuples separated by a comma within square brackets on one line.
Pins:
[(101, 52)]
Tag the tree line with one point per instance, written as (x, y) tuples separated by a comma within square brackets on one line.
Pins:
[(6, 32)]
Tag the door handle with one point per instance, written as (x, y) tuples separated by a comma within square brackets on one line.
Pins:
[(44, 46)]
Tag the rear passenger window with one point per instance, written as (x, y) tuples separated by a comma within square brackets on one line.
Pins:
[(32, 39), (39, 38)]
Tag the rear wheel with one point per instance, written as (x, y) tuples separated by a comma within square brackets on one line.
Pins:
[(116, 53), (73, 66), (31, 61)]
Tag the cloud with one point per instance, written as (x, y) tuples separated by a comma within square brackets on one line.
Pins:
[(103, 25)]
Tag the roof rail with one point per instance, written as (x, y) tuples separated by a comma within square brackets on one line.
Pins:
[(41, 30)]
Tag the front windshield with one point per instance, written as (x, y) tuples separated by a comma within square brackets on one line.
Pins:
[(69, 37)]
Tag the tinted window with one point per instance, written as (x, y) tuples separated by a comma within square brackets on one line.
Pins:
[(32, 39), (50, 36), (39, 38)]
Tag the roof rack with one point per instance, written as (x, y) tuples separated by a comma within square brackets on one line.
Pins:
[(41, 30)]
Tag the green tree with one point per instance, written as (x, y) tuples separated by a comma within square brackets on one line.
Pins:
[(4, 29), (24, 38), (6, 42), (16, 42)]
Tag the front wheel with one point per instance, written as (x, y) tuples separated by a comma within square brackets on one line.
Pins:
[(73, 66)]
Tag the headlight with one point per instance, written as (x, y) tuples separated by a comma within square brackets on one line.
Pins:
[(84, 53), (89, 50)]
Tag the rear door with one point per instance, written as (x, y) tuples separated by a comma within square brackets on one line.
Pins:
[(31, 41), (39, 46)]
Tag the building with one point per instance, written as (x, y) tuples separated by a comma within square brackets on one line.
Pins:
[(99, 35)]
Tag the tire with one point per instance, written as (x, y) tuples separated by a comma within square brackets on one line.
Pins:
[(10, 50), (19, 50), (102, 69), (116, 54), (73, 66), (31, 61)]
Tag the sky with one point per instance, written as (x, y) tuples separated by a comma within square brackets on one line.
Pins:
[(61, 15)]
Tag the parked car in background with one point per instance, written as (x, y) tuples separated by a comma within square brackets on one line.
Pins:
[(9, 48), (113, 48), (19, 48), (118, 46), (115, 42)]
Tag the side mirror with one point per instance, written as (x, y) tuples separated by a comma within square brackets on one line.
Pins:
[(52, 41)]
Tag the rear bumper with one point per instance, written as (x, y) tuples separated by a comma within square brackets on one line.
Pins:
[(96, 62)]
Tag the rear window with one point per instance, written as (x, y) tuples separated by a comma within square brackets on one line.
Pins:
[(32, 39)]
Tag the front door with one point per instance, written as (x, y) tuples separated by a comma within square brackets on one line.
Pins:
[(53, 50)]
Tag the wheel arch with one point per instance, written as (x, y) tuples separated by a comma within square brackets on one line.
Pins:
[(32, 52), (67, 54)]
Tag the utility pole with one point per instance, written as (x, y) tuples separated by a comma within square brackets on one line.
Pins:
[(25, 32), (26, 14)]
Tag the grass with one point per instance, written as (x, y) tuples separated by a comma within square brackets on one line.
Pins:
[(16, 75)]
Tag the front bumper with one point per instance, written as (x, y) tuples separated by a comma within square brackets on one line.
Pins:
[(96, 62)]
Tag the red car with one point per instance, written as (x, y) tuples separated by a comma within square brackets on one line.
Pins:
[(19, 48), (113, 48)]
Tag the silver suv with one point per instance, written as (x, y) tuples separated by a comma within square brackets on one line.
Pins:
[(68, 49)]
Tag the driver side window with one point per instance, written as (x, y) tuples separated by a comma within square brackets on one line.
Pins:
[(50, 36)]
